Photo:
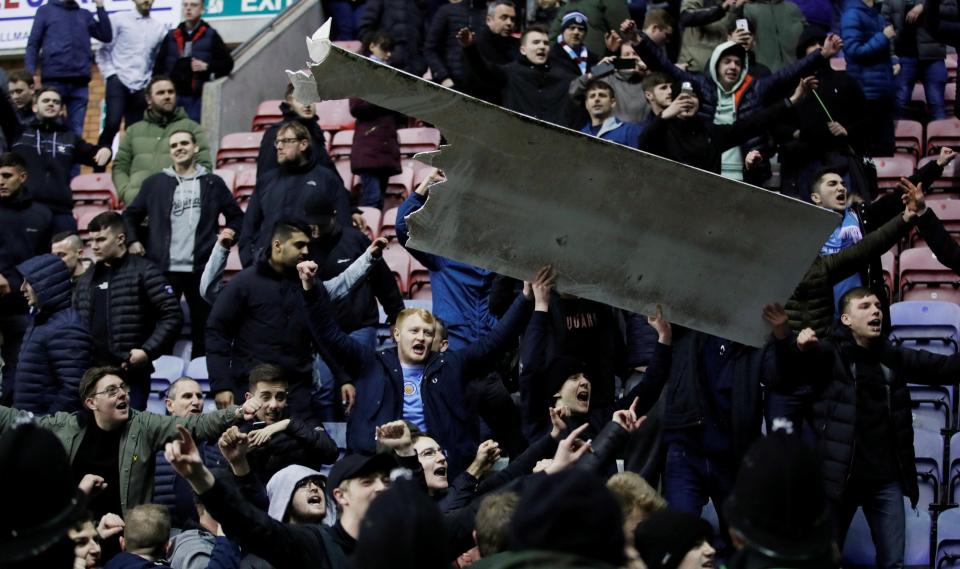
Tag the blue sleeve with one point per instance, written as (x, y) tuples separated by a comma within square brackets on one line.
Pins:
[(101, 28), (413, 203), (657, 60), (326, 331), (32, 54), (69, 355), (225, 554), (856, 45), (488, 349)]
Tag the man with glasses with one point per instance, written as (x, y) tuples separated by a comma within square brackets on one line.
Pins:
[(51, 151), (183, 203), (133, 313), (282, 193), (109, 439)]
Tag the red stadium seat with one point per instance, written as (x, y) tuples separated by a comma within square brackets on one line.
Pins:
[(888, 261), (88, 211), (239, 147), (910, 138), (83, 218), (945, 132), (398, 260), (891, 168), (950, 180), (350, 182), (246, 183), (335, 115), (413, 140), (94, 188), (268, 113), (373, 217), (922, 277), (349, 45), (341, 144), (419, 282), (388, 226), (838, 63), (947, 210), (399, 187), (951, 61), (229, 178), (950, 94)]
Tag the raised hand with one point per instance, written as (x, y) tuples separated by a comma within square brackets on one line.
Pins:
[(487, 455), (308, 272), (831, 46), (395, 435), (777, 318), (569, 451), (91, 484), (557, 417), (227, 237), (806, 85), (184, 456), (628, 31), (249, 409), (627, 418), (109, 526), (234, 445), (947, 154), (466, 37), (541, 286), (376, 248), (806, 339), (662, 326), (912, 198)]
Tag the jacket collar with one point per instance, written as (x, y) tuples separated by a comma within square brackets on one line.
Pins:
[(612, 123)]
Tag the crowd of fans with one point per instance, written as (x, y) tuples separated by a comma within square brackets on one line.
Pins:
[(489, 429)]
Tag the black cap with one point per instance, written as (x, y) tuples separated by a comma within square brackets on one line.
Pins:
[(560, 370), (35, 482), (357, 465), (666, 537), (778, 503), (318, 208), (811, 35)]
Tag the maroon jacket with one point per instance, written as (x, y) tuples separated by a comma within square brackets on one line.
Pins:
[(375, 144)]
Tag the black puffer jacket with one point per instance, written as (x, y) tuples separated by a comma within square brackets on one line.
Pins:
[(828, 368), (405, 23), (267, 158), (442, 49), (922, 44), (24, 233), (143, 313)]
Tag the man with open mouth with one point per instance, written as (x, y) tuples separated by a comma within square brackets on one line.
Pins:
[(862, 413)]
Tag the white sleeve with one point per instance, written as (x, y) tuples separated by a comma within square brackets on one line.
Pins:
[(341, 285), (213, 273)]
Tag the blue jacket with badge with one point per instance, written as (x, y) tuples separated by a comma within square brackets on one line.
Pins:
[(380, 380)]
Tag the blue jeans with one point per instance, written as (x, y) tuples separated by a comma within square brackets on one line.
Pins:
[(326, 394), (691, 479), (75, 97), (122, 105), (374, 189), (192, 105), (345, 16), (933, 74), (883, 508)]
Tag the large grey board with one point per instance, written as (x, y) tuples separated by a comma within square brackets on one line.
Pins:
[(621, 226)]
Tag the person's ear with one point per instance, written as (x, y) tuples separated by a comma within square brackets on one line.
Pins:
[(474, 534), (845, 319), (340, 496), (247, 396), (169, 405), (396, 334), (123, 544), (88, 403)]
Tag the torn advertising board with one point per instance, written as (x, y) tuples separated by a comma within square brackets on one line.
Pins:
[(621, 226)]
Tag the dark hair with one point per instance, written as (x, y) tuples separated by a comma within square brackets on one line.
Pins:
[(265, 373), (193, 137), (20, 75), (821, 172), (658, 17), (111, 220), (153, 81), (90, 378), (288, 92), (11, 160), (534, 28), (855, 293), (376, 37), (298, 130), (654, 79), (46, 89), (595, 84), (284, 229)]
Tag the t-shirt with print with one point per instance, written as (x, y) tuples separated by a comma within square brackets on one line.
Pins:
[(412, 399)]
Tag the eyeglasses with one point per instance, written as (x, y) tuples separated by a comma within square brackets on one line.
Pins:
[(113, 390), (282, 141), (308, 481), (431, 452)]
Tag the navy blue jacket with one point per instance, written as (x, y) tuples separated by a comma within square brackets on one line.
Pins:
[(461, 292), (126, 560), (51, 150), (60, 40), (380, 380), (256, 319), (154, 202), (56, 347), (24, 233), (867, 50), (206, 45), (172, 491)]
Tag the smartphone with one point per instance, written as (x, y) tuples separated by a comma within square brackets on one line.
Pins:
[(743, 25), (602, 70), (687, 88), (258, 425), (624, 63)]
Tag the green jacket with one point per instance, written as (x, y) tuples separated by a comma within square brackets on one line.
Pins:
[(602, 16), (811, 305), (779, 25), (707, 29), (144, 150), (143, 435)]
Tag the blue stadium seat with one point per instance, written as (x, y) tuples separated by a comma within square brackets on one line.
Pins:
[(167, 367), (928, 448), (926, 324), (197, 369), (155, 404), (953, 475), (948, 540), (337, 432), (931, 407)]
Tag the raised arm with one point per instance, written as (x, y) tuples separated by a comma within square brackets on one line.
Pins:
[(489, 73), (213, 270), (100, 27), (414, 202), (340, 286)]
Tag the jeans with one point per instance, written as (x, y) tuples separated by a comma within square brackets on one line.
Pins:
[(192, 105), (345, 16), (75, 97), (934, 77), (326, 395), (122, 105), (188, 285), (374, 189), (690, 479), (883, 507), (12, 329)]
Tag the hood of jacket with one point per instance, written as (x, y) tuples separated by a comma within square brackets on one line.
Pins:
[(163, 120), (50, 279), (281, 486), (718, 53), (200, 170), (610, 124)]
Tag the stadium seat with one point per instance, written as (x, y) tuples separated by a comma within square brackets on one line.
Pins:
[(234, 265), (953, 473), (167, 367), (183, 349), (399, 188), (948, 540), (414, 140), (229, 178), (159, 385), (197, 369), (83, 220), (944, 132), (156, 404), (335, 115), (910, 138), (922, 277), (349, 45), (947, 211), (88, 210), (94, 188), (950, 94), (239, 147), (350, 182), (926, 324), (931, 407), (372, 216), (951, 61), (388, 226), (246, 183), (928, 447), (341, 143), (398, 259), (838, 64), (419, 284), (268, 113), (888, 260), (891, 168)]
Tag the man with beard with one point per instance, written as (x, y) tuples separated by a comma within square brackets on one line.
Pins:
[(292, 111)]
